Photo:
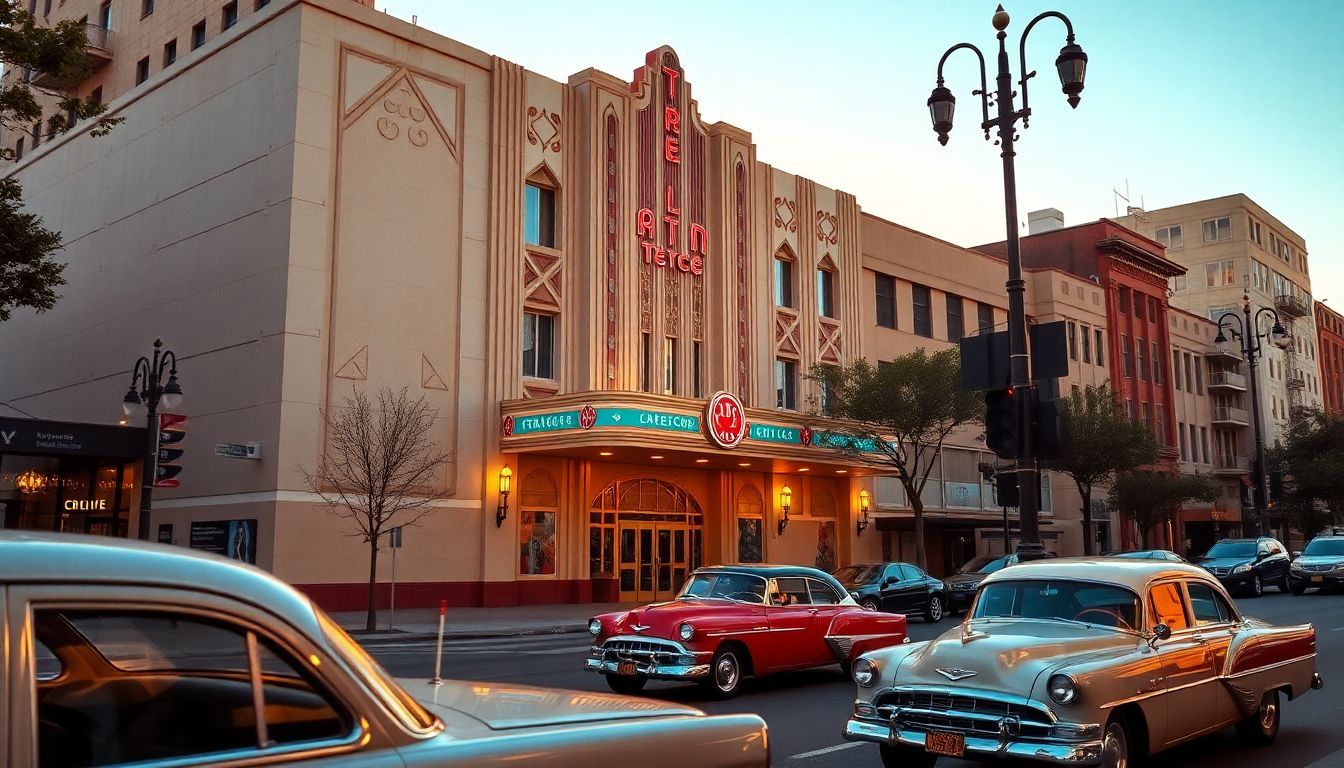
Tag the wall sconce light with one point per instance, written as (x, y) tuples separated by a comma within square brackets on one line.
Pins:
[(505, 485), (863, 511), (785, 502)]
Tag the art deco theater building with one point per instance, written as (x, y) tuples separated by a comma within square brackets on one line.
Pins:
[(312, 198)]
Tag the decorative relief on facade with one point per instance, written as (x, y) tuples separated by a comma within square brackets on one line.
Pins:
[(646, 300), (543, 128), (698, 309), (613, 235), (542, 273), (788, 339), (786, 214), (536, 391), (429, 377), (740, 254), (357, 367), (407, 114), (828, 341), (827, 227), (672, 308)]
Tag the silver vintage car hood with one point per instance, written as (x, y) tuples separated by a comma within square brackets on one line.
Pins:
[(1007, 655), (506, 706)]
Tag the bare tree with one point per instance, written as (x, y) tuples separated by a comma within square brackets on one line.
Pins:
[(380, 469)]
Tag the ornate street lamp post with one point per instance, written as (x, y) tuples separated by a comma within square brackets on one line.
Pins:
[(1248, 332), (148, 374), (1071, 66)]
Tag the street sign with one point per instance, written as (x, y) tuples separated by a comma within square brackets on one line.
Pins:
[(170, 454), (231, 450), (395, 537), (172, 430)]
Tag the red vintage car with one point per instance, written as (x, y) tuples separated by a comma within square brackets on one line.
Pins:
[(730, 621)]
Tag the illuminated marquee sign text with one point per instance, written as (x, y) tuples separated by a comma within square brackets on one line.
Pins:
[(671, 255)]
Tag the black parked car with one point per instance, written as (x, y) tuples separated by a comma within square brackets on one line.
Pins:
[(961, 585), (895, 588), (1247, 566), (1321, 565)]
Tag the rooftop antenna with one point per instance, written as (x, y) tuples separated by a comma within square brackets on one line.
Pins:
[(1116, 197)]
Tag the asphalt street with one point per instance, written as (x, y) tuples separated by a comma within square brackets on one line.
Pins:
[(806, 710)]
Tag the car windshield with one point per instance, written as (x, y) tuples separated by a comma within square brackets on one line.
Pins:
[(1085, 601), (983, 564), (858, 574), (1232, 549), (1325, 547), (742, 587)]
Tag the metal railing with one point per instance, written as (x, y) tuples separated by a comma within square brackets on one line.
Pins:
[(1225, 413), (1227, 379), (1294, 306), (97, 36), (1235, 463)]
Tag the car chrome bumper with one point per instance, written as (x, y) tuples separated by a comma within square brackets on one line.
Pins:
[(649, 670), (1083, 753)]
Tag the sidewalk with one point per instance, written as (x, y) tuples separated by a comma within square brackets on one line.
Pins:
[(420, 623)]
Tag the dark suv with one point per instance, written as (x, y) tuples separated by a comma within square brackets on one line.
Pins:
[(1247, 566), (961, 585), (1320, 565)]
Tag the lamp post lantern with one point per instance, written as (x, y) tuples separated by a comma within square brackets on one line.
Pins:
[(1247, 330), (1071, 65), (148, 375)]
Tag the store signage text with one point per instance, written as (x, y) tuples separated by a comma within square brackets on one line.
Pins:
[(589, 417), (671, 255), (86, 505)]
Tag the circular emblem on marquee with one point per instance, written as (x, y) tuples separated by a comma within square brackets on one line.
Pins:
[(587, 417), (507, 426), (725, 420)]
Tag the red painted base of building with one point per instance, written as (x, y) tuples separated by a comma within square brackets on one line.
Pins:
[(462, 594)]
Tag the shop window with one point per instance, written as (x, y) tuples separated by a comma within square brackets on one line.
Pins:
[(539, 345)]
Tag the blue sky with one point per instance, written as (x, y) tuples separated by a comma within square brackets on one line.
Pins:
[(1185, 100)]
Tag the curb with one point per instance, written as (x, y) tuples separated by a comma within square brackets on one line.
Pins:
[(385, 637)]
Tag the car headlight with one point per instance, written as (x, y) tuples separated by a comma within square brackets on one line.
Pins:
[(685, 631), (865, 672), (1063, 690), (595, 626), (1244, 567)]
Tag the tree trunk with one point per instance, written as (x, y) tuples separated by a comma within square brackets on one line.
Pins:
[(1088, 537), (921, 557), (371, 620)]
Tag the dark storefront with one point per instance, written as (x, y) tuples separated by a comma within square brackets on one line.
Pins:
[(63, 476)]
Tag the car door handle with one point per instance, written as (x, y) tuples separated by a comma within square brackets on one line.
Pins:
[(812, 611), (1202, 640)]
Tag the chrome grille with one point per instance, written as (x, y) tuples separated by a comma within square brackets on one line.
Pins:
[(961, 712), (1220, 571), (640, 650), (1322, 568)]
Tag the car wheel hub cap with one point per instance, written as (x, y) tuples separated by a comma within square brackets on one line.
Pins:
[(726, 672), (1114, 750), (1268, 712), (936, 609)]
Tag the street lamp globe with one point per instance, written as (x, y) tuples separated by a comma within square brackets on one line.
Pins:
[(172, 393), (1072, 67), (131, 405), (1279, 337), (941, 106), (1220, 341)]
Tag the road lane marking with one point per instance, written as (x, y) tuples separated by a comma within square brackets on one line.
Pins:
[(826, 750)]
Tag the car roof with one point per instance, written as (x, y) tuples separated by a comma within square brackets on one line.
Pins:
[(1134, 573), (53, 558), (766, 570)]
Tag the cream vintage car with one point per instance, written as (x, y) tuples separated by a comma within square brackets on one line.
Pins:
[(121, 652), (1082, 662)]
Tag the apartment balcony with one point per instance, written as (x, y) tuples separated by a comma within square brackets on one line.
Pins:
[(97, 54), (1224, 416), (1295, 382), (1229, 354), (1292, 306), (1231, 465), (1227, 381)]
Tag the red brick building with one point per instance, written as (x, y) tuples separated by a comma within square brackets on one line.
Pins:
[(1330, 342)]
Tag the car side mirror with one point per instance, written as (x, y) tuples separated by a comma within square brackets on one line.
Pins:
[(1162, 632), (854, 595), (887, 582), (1297, 554), (1262, 554)]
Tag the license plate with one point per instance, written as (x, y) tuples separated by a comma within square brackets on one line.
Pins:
[(1317, 579), (626, 668), (944, 743)]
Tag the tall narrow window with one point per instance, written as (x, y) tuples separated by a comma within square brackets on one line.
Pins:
[(783, 282), (956, 324), (1199, 376), (169, 52), (142, 70), (670, 366), (920, 302), (646, 362), (1157, 365), (105, 14), (1204, 443), (539, 216), (1072, 328), (1189, 373), (1086, 336), (826, 292), (786, 384), (1141, 352), (1124, 300), (37, 133), (228, 17), (146, 8), (96, 96), (1176, 369), (198, 34), (1194, 445), (18, 150), (885, 289), (1160, 427), (1124, 355), (1100, 359), (1152, 309), (1180, 436), (984, 316), (827, 390), (262, 4), (697, 389), (538, 345)]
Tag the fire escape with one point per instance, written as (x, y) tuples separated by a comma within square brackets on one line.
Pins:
[(1291, 307)]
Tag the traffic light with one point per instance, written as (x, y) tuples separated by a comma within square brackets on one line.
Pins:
[(1005, 488), (1001, 422), (1047, 429)]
